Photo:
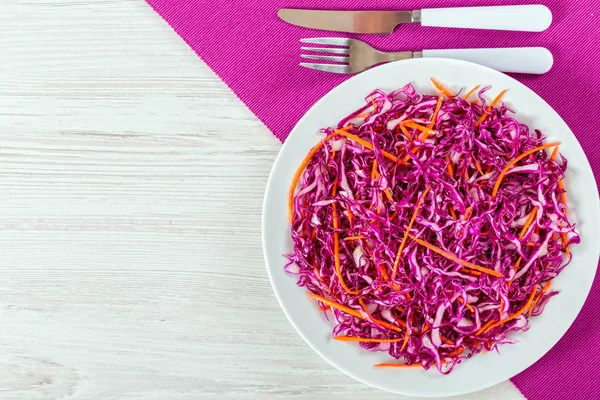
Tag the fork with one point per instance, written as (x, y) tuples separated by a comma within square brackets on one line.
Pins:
[(356, 56)]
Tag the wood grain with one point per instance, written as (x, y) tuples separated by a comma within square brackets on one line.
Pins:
[(131, 184)]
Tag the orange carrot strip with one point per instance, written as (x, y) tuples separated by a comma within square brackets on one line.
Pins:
[(447, 341), (470, 92), (366, 340), (423, 129), (451, 210), (435, 113), (452, 257), (492, 105), (516, 160), (394, 215), (405, 131), (365, 144), (388, 194), (483, 328), (461, 301), (554, 153), (406, 233), (526, 226), (384, 274), (406, 337), (353, 238), (349, 214), (337, 306), (468, 213), (515, 315), (528, 222), (388, 365), (374, 172), (300, 169), (450, 167), (471, 272), (539, 296), (478, 166), (441, 87), (336, 252), (380, 322)]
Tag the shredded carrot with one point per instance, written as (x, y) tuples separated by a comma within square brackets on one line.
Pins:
[(492, 105), (516, 160), (554, 153), (388, 194), (380, 322), (447, 341), (353, 237), (539, 297), (388, 365), (406, 233), (528, 222), (468, 212), (405, 131), (349, 214), (468, 271), (441, 87), (452, 257), (563, 199), (365, 144), (406, 337), (435, 113), (451, 210), (336, 252), (300, 169), (366, 340), (478, 166), (470, 92), (384, 274), (515, 315), (394, 215), (461, 301), (374, 172), (423, 129), (450, 167), (483, 328)]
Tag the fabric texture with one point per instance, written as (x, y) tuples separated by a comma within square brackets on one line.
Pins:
[(257, 56)]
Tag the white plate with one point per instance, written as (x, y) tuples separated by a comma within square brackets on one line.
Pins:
[(483, 370)]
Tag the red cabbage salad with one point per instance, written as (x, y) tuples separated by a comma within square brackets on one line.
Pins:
[(430, 227)]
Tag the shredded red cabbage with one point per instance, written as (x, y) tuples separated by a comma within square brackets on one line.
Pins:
[(440, 311)]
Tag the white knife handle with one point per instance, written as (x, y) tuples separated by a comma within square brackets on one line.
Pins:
[(529, 18), (528, 60)]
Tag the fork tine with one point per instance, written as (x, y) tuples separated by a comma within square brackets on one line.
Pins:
[(326, 58), (334, 50), (338, 69), (332, 41)]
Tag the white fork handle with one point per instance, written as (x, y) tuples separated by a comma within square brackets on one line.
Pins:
[(528, 60), (529, 18)]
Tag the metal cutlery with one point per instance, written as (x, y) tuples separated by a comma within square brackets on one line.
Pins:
[(354, 56), (529, 18)]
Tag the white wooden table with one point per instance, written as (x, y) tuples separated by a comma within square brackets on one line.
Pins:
[(131, 183)]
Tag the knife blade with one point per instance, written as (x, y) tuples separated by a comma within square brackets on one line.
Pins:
[(349, 21), (526, 18)]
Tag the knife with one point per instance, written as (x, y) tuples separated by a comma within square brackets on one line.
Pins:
[(529, 18)]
